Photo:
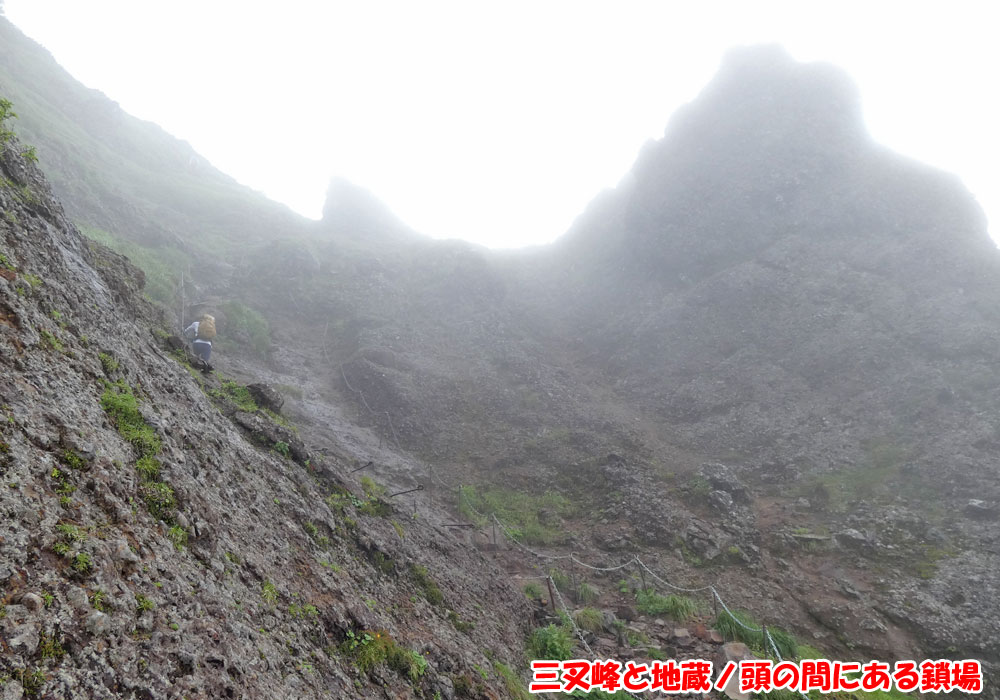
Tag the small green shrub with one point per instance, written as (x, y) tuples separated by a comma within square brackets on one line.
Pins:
[(368, 649), (237, 394), (283, 449), (787, 645), (514, 685), (143, 604), (34, 280), (108, 363), (71, 533), (50, 340), (590, 619), (97, 600), (121, 405), (73, 460), (159, 499), (426, 584), (560, 579), (371, 488), (148, 468), (585, 593), (303, 611), (677, 607), (407, 663), (728, 628), (551, 642), (269, 593), (50, 648), (534, 591), (531, 517), (31, 681), (376, 508), (82, 563), (179, 536)]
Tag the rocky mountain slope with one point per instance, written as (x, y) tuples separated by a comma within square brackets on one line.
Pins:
[(767, 288), (163, 537)]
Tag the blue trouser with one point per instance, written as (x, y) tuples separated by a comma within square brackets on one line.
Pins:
[(203, 349)]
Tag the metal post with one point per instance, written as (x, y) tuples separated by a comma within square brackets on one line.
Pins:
[(572, 577), (642, 575), (183, 315), (494, 533), (552, 595), (763, 637)]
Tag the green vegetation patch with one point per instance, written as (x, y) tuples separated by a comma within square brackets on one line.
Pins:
[(551, 642), (428, 587), (50, 340), (532, 518), (246, 323), (159, 499), (238, 394), (590, 619), (370, 649), (108, 363), (514, 685), (878, 479), (736, 629), (122, 406), (677, 607)]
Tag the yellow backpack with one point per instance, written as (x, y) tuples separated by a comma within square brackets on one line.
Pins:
[(206, 327)]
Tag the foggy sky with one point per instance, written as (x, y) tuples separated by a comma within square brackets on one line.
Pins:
[(498, 122)]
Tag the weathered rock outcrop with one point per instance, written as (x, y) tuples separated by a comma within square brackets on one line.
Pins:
[(149, 549)]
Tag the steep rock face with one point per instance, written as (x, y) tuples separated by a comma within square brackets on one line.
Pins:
[(768, 288), (778, 289), (768, 274), (150, 549)]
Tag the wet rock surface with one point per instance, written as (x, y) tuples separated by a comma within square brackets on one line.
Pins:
[(218, 567)]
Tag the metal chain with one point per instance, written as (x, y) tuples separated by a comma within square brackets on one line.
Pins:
[(598, 568), (510, 536), (730, 613), (392, 428), (634, 560), (565, 610), (670, 585)]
